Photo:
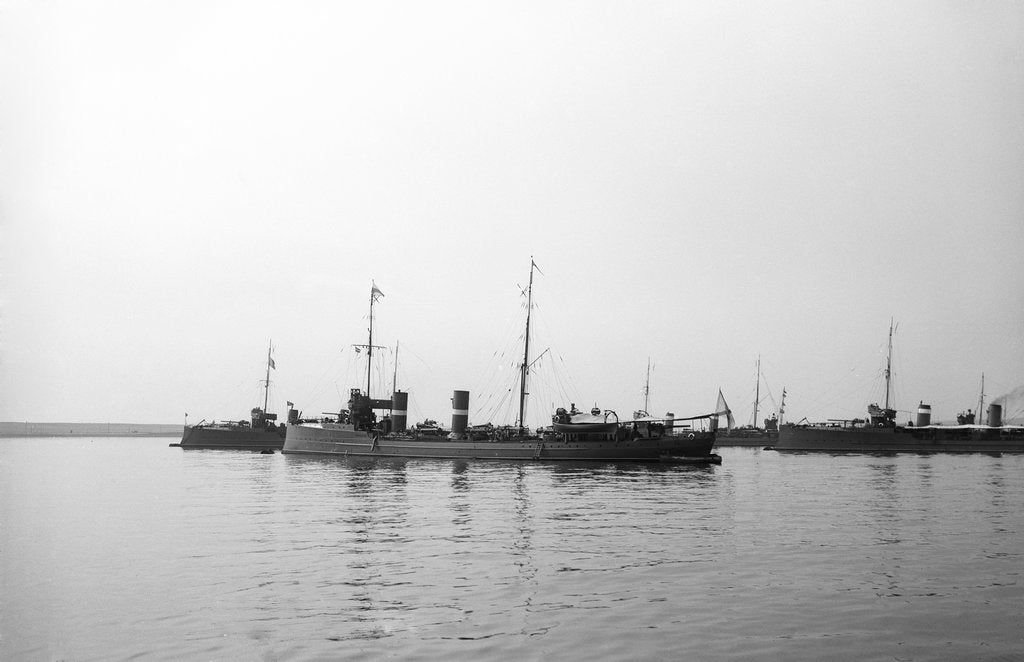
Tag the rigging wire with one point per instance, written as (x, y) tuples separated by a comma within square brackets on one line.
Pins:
[(828, 398), (497, 388)]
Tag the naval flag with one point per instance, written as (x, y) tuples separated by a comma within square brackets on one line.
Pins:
[(375, 292)]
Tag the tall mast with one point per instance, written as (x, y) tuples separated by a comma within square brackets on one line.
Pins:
[(526, 349), (647, 385), (888, 368), (266, 383), (981, 401), (757, 389), (394, 378), (369, 345), (374, 293)]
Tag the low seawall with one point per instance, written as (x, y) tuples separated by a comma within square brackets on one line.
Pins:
[(27, 429)]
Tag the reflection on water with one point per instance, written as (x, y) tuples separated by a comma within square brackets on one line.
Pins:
[(130, 548)]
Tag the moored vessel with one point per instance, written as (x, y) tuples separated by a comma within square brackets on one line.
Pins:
[(572, 436), (260, 433), (357, 431), (881, 435), (751, 435), (879, 432)]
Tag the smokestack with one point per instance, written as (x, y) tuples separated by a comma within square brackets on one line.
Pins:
[(399, 411), (995, 416), (460, 411), (924, 415)]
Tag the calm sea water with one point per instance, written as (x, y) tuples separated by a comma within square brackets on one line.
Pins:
[(125, 548)]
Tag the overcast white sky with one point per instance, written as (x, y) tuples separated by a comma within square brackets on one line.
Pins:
[(700, 184)]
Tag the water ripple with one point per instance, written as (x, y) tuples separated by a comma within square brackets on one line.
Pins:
[(126, 548)]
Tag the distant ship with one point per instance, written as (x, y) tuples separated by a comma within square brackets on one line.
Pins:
[(751, 435), (599, 435), (260, 433), (748, 435), (879, 433)]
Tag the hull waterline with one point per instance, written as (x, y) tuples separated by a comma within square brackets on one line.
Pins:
[(337, 439), (751, 440), (928, 439), (235, 438)]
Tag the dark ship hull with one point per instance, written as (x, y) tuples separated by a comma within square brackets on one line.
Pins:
[(899, 439), (359, 434), (341, 439), (744, 437), (233, 438)]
